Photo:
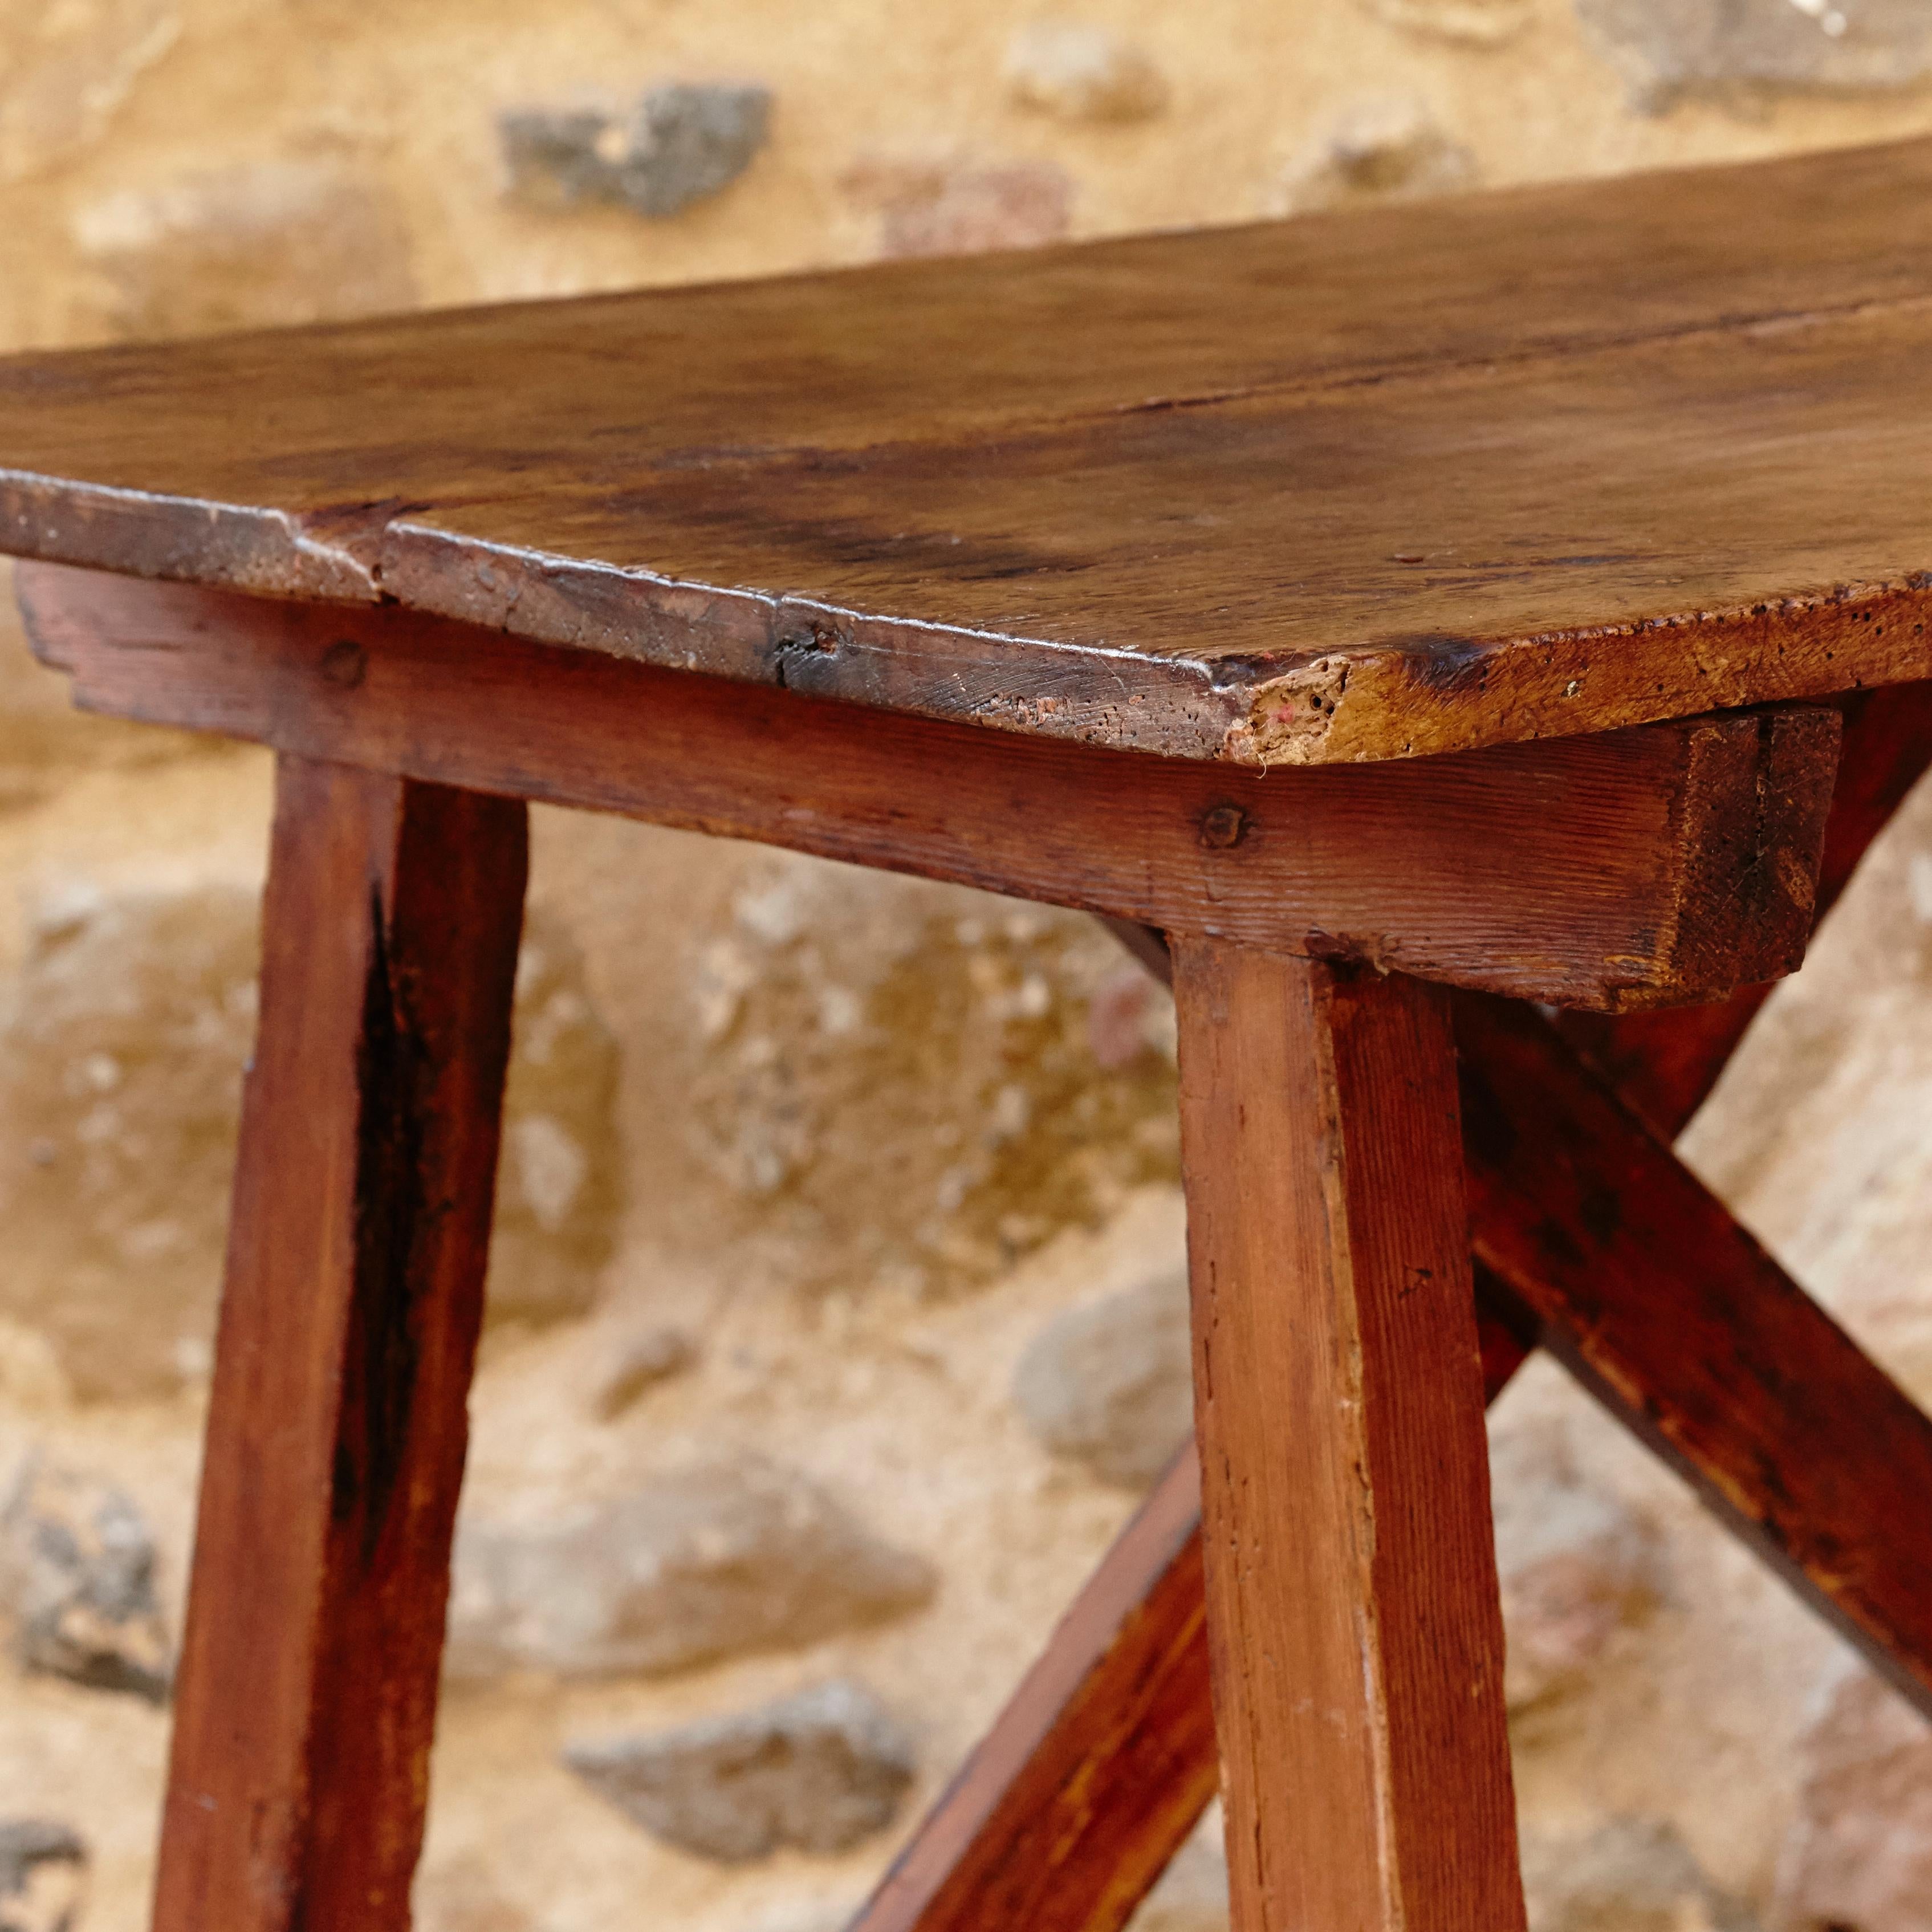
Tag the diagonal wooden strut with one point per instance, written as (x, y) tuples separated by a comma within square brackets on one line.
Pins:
[(1099, 1767)]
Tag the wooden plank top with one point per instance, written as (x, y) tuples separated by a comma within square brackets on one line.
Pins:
[(1351, 487)]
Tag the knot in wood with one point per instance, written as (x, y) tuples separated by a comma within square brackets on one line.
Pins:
[(344, 664), (1223, 827)]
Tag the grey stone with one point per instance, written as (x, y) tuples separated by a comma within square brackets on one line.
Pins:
[(637, 1364), (724, 1558), (42, 1876), (1670, 48), (821, 1770), (1629, 1875), (1859, 1853), (1111, 1383), (682, 144), (77, 1582), (1577, 1565), (1385, 148)]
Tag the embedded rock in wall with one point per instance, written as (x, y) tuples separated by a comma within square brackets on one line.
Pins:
[(120, 1073), (1079, 72), (1111, 1383), (1478, 23), (963, 208), (68, 70), (711, 1562), (77, 1582), (42, 1876), (1628, 1875), (1389, 149), (681, 144), (912, 1086), (821, 1770), (1861, 1851), (637, 1364), (1577, 1566), (1668, 49), (273, 241)]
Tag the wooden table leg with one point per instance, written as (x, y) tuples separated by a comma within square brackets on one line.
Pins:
[(337, 1424), (1354, 1621)]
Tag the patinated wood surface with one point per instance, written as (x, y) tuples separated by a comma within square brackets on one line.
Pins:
[(1104, 1759), (1354, 1628), (1541, 462), (1664, 1064), (1671, 861), (1670, 1314), (337, 1424)]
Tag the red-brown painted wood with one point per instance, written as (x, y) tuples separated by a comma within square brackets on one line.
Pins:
[(1354, 1621), (1634, 868), (337, 1424)]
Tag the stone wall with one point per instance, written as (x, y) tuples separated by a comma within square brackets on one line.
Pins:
[(835, 1320)]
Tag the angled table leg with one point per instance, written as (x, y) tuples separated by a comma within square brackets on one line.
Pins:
[(1354, 1625), (337, 1424)]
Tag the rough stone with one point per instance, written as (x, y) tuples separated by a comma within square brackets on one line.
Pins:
[(1668, 50), (43, 1876), (1577, 1566), (963, 208), (68, 70), (77, 1582), (1860, 1852), (1078, 72), (821, 1770), (1476, 23), (899, 1087), (681, 144), (121, 1076), (1389, 148), (1111, 1383), (724, 1558), (638, 1364), (1627, 1875), (271, 242)]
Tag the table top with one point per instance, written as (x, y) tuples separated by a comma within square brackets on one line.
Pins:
[(1355, 486)]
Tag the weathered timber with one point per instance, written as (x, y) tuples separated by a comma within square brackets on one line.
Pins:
[(1671, 862), (338, 1423), (1101, 1763), (1551, 461), (1664, 1064), (1354, 1625), (1646, 1289)]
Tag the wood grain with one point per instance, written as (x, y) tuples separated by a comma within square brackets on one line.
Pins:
[(1102, 1762), (1354, 1621), (1669, 863), (1551, 461), (337, 1424), (1667, 1311), (1665, 1064)]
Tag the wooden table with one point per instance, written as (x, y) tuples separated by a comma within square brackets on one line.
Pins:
[(1138, 577)]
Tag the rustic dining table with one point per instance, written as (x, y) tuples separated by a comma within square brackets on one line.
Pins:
[(1464, 647)]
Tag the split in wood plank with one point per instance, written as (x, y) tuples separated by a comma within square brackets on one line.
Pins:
[(1671, 862), (306, 1697)]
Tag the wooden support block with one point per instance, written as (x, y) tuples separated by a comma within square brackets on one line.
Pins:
[(1664, 1064), (1104, 1759), (337, 1424), (1353, 1619), (1670, 863)]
